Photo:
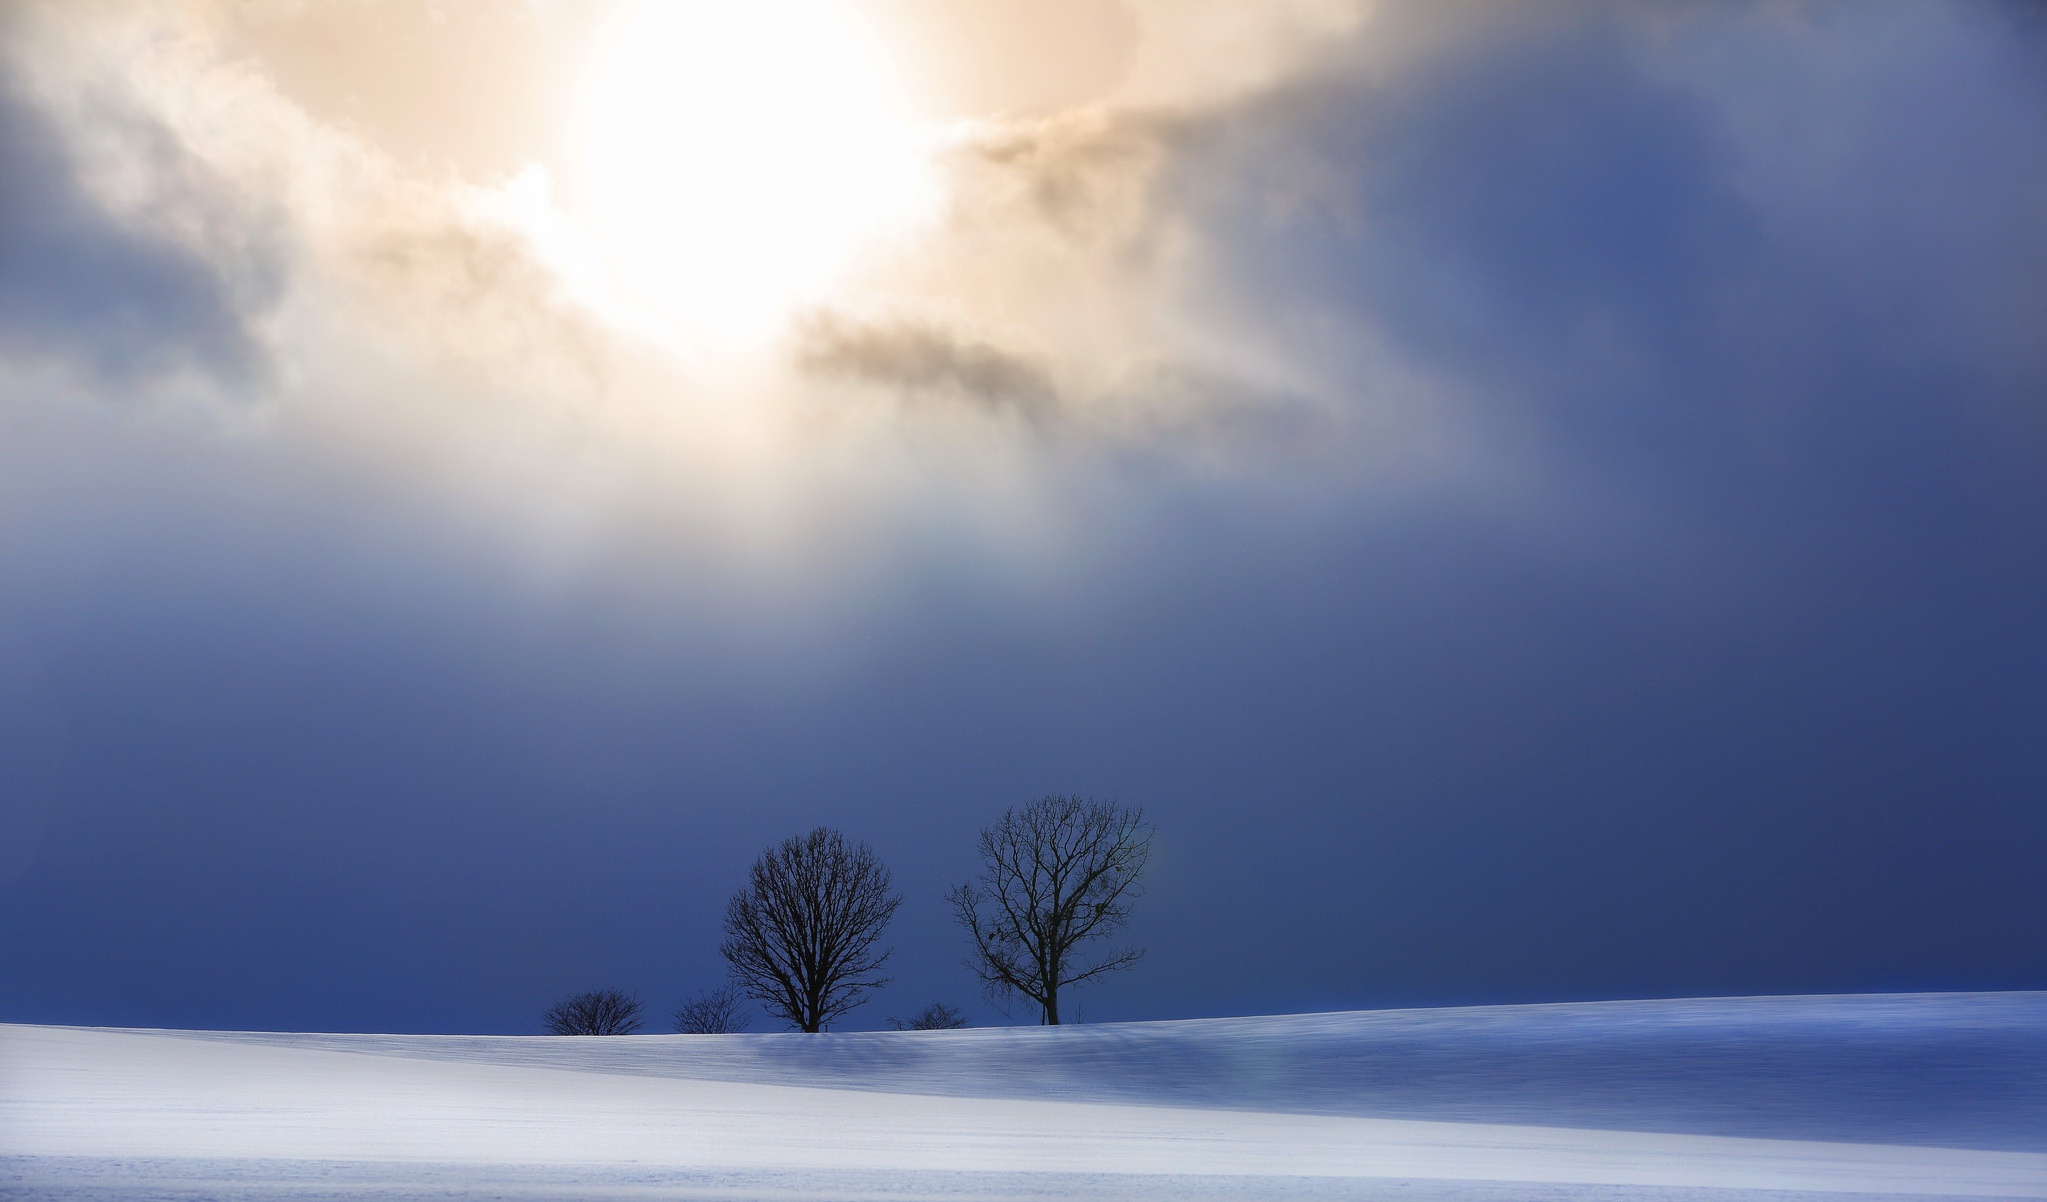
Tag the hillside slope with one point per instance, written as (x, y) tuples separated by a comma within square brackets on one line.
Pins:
[(1907, 1096)]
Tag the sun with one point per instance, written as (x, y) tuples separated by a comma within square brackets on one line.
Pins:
[(735, 155)]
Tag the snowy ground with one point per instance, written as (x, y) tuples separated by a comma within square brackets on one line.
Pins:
[(1941, 1096)]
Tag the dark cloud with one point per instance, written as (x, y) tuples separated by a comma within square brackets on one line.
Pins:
[(1643, 246), (1166, 405), (919, 359), (82, 285)]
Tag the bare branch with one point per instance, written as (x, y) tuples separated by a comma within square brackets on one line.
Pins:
[(802, 935), (712, 1012), (598, 1012), (936, 1017), (1055, 875)]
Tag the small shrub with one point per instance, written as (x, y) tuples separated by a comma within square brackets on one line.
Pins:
[(712, 1012), (598, 1012), (936, 1017)]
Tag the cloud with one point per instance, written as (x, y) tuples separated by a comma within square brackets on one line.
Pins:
[(1562, 260), (170, 211), (1190, 406), (128, 299), (1085, 173), (921, 359), (1177, 407), (1700, 256), (452, 266)]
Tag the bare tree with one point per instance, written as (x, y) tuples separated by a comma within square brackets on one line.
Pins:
[(936, 1017), (598, 1012), (712, 1012), (801, 936), (1055, 875)]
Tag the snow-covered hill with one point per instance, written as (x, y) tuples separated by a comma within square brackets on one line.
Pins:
[(1926, 1096)]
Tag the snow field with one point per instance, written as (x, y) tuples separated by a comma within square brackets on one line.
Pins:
[(92, 1113)]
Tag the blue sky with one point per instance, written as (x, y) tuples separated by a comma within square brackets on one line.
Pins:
[(1536, 505)]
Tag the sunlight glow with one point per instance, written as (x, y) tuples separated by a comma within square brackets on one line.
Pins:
[(735, 157)]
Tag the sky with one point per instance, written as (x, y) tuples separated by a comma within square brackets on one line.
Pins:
[(1536, 503)]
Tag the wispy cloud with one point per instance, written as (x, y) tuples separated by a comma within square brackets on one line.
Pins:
[(920, 360), (178, 282)]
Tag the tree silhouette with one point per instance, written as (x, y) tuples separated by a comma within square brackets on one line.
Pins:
[(936, 1017), (802, 935), (598, 1012), (712, 1012), (1055, 875)]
